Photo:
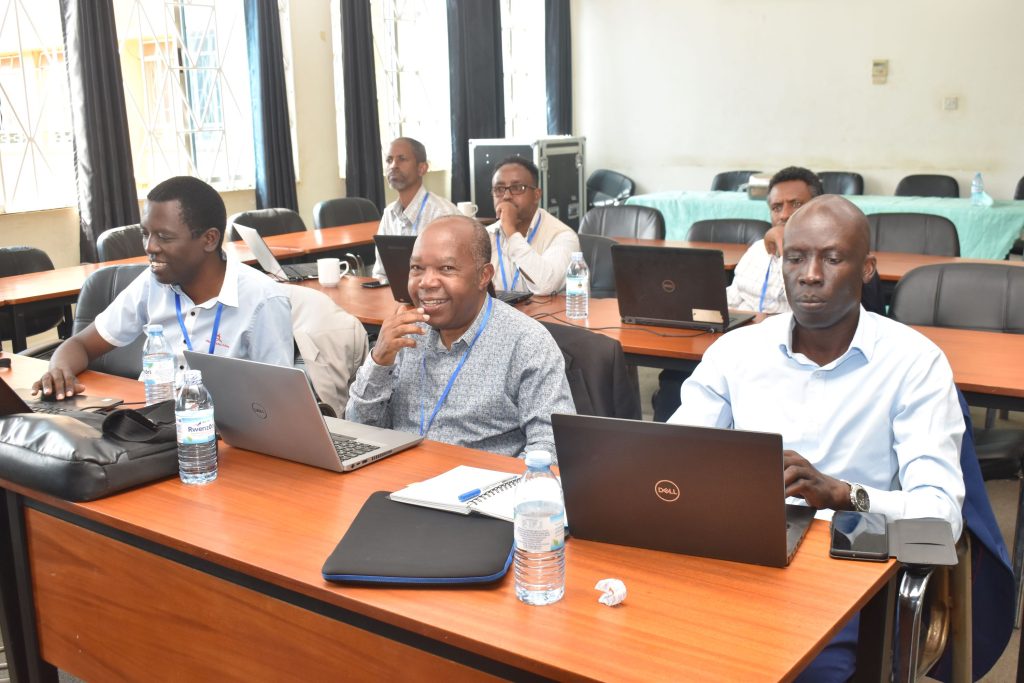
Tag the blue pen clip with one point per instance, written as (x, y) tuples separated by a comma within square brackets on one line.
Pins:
[(468, 495)]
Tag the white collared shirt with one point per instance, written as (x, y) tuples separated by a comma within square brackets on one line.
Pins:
[(885, 414), (543, 261), (399, 220), (748, 280), (255, 323)]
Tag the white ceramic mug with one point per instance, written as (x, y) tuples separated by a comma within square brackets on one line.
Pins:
[(467, 209), (329, 271)]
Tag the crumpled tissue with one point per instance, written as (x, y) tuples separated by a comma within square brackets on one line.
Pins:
[(614, 591)]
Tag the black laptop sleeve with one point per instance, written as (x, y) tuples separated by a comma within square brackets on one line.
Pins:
[(396, 543)]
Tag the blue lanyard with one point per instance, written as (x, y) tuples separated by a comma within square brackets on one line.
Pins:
[(764, 287), (184, 332), (416, 225), (455, 373), (501, 261)]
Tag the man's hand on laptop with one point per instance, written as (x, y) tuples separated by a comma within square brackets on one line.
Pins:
[(819, 490), (395, 331), (59, 384)]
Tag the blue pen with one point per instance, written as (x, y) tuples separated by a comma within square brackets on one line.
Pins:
[(463, 497)]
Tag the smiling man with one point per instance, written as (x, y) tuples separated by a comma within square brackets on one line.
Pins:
[(460, 366), (405, 165), (204, 301), (866, 406), (531, 247)]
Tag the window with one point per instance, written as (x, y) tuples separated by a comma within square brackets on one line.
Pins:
[(37, 166), (522, 40), (186, 79)]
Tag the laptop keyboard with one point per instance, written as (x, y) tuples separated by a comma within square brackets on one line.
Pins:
[(50, 410), (306, 271), (350, 448)]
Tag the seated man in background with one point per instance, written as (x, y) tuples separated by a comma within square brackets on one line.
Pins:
[(205, 301), (462, 367), (331, 343), (531, 247), (866, 406), (405, 165)]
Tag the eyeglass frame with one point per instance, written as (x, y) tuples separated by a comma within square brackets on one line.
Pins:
[(508, 188)]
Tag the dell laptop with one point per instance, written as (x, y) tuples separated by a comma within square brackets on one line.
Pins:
[(259, 248), (395, 251), (693, 490), (673, 287), (14, 401), (271, 409)]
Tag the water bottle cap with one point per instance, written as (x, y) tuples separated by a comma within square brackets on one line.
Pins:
[(192, 377), (576, 255), (154, 328), (538, 459)]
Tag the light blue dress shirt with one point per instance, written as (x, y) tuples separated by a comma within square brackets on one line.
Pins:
[(255, 324), (885, 414)]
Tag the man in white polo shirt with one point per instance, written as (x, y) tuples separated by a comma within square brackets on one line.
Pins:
[(205, 301)]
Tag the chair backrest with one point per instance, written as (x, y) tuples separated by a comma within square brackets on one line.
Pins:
[(624, 221), (608, 188), (599, 379), (735, 230), (344, 211), (731, 181), (266, 222), (976, 296), (842, 182), (118, 243), (1019, 192), (20, 261), (928, 185), (597, 252), (98, 290), (914, 233)]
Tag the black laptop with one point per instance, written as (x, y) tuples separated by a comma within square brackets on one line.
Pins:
[(673, 287), (395, 251), (693, 490), (15, 401)]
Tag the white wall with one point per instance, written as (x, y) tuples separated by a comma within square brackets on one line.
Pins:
[(671, 92)]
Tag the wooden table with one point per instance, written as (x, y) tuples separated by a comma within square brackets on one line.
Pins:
[(223, 582), (21, 294)]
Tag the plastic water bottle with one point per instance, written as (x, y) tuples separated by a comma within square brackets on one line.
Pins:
[(977, 190), (577, 288), (197, 438), (157, 366), (539, 533)]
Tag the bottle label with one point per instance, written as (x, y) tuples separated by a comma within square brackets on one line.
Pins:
[(195, 426), (540, 534), (575, 285), (157, 370)]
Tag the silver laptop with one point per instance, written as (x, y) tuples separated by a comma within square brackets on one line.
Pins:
[(265, 257), (673, 287), (271, 409), (692, 490)]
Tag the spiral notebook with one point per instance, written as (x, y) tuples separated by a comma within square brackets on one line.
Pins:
[(465, 489)]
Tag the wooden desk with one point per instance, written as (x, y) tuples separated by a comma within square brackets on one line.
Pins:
[(223, 582)]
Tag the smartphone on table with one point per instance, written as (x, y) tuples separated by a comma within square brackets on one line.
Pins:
[(859, 536)]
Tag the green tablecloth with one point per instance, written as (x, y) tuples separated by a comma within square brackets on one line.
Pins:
[(985, 232)]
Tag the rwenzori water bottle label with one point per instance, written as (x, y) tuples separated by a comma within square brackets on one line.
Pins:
[(196, 427)]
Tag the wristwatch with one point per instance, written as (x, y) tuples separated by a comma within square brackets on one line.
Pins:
[(858, 496)]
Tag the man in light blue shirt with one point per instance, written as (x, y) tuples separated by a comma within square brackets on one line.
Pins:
[(204, 301), (866, 406)]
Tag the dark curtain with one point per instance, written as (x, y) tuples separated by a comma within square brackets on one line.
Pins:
[(478, 100), (364, 171), (275, 170), (558, 66), (107, 196)]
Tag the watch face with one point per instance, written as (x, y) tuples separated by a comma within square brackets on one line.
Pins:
[(862, 499)]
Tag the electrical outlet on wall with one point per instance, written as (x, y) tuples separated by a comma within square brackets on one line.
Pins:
[(879, 71), (950, 103)]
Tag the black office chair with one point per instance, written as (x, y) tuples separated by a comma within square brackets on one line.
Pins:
[(597, 252), (118, 243), (37, 319), (608, 188), (928, 185), (266, 222), (914, 233), (344, 211), (624, 221), (731, 181), (842, 182), (734, 230), (976, 296), (600, 380)]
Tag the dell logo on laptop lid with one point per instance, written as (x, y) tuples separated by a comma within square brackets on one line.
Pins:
[(667, 490)]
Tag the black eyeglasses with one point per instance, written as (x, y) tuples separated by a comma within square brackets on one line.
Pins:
[(516, 188)]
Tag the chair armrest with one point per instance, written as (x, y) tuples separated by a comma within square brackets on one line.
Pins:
[(42, 351)]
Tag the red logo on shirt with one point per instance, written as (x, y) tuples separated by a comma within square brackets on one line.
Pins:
[(220, 342)]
